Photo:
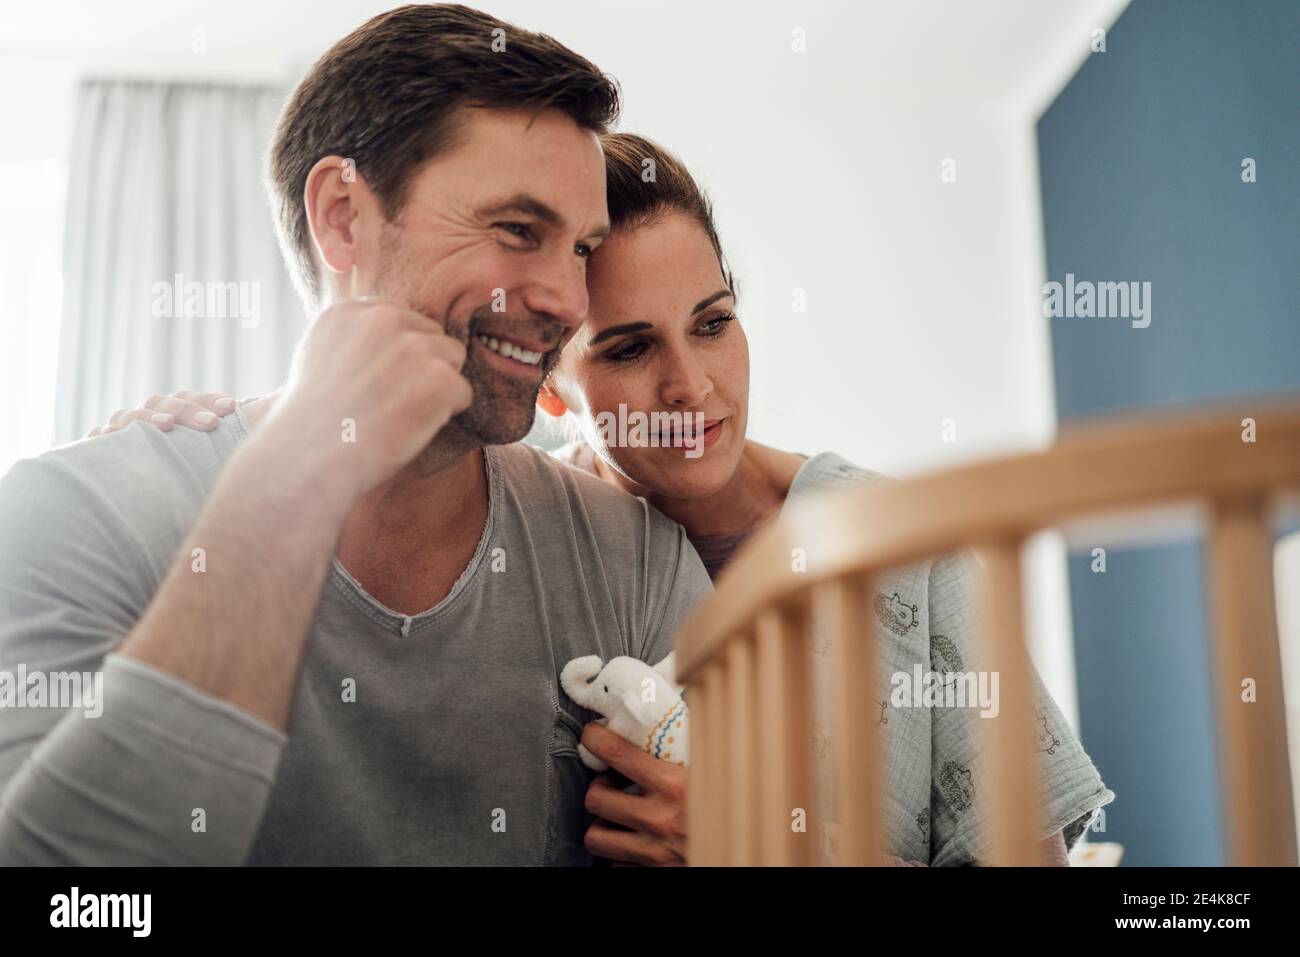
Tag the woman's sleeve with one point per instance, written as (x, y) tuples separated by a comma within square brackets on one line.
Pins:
[(1072, 788)]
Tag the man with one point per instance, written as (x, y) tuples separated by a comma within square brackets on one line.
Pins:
[(331, 630)]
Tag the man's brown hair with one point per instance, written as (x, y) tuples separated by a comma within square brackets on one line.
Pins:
[(386, 97), (643, 181)]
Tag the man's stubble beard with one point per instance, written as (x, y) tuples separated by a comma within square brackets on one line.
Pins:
[(497, 417), (503, 407), (490, 419)]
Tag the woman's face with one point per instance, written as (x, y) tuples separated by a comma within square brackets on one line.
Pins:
[(661, 336)]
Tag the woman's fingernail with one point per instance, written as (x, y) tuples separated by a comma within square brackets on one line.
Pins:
[(225, 403), (161, 418), (204, 417)]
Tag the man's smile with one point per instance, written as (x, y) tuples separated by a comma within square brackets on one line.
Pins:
[(516, 356), (512, 349)]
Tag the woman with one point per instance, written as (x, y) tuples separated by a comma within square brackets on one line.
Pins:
[(662, 336)]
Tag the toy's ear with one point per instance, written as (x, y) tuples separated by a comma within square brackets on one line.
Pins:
[(549, 401), (667, 670)]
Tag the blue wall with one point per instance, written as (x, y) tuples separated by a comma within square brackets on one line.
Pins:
[(1141, 173)]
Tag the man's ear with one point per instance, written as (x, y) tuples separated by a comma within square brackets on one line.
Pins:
[(549, 401), (332, 196)]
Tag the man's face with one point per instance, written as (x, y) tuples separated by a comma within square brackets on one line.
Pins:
[(493, 242)]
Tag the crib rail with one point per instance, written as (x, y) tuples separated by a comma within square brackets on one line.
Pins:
[(749, 643)]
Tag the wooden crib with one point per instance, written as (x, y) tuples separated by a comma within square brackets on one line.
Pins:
[(1233, 465)]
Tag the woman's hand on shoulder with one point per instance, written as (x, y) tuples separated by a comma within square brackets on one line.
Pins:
[(193, 410)]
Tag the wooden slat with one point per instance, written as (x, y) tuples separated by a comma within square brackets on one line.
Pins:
[(706, 775), (742, 751), (1007, 782), (784, 730), (845, 607), (1254, 769)]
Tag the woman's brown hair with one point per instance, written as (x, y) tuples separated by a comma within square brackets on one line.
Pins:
[(643, 181)]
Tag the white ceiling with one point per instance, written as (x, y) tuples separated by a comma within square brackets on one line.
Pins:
[(956, 48)]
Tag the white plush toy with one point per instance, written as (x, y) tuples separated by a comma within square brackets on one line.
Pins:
[(642, 703)]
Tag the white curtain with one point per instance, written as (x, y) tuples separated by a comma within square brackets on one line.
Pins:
[(171, 276)]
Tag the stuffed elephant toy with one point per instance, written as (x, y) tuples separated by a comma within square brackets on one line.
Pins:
[(640, 702)]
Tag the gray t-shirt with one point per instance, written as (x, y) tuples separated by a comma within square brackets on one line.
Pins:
[(454, 744)]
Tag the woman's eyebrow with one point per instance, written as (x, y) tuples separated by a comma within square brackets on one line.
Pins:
[(613, 331), (627, 327), (705, 303)]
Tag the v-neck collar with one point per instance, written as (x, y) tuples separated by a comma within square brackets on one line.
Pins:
[(356, 595)]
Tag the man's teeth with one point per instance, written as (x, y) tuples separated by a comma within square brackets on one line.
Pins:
[(511, 350)]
